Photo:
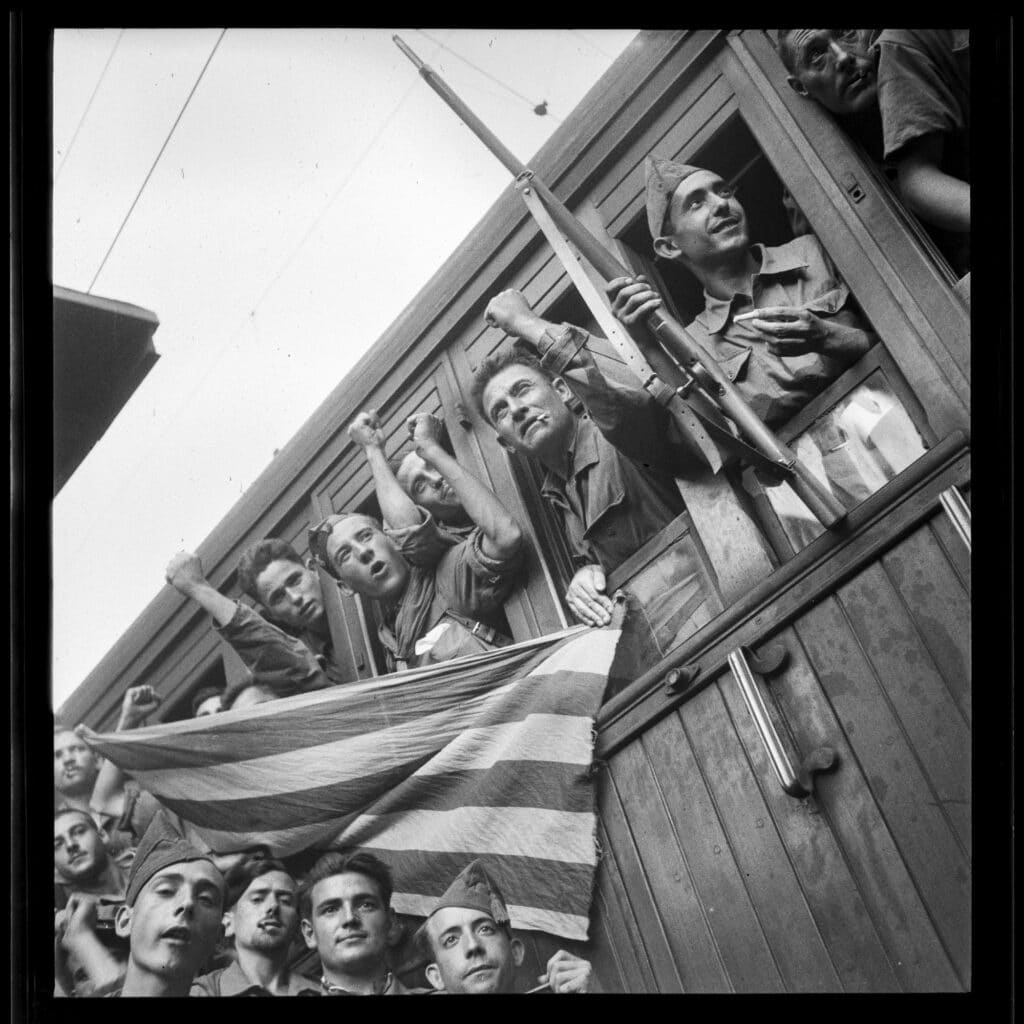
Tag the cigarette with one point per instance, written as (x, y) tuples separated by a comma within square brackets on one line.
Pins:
[(746, 316), (539, 988)]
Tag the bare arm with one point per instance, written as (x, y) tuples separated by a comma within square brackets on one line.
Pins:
[(108, 790), (936, 197), (395, 505), (502, 536), (185, 573)]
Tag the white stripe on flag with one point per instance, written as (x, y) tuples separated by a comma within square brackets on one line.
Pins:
[(565, 739), (569, 926), (592, 651), (323, 765), (566, 836)]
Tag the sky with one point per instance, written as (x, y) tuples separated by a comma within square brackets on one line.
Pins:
[(312, 185)]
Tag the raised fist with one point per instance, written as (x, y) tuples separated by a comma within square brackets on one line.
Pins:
[(184, 571), (365, 430)]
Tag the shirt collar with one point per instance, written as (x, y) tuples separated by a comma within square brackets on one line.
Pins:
[(233, 982), (584, 453), (773, 260), (330, 989)]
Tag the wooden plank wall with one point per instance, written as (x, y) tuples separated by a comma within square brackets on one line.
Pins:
[(713, 880)]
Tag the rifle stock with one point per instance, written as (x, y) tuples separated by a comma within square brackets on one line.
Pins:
[(668, 331)]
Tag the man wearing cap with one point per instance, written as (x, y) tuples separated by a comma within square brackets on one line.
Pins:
[(262, 919), (440, 597), (284, 641), (806, 330), (346, 916), (469, 940), (171, 915)]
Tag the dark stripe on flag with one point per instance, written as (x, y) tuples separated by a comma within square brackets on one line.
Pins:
[(543, 784), (563, 692)]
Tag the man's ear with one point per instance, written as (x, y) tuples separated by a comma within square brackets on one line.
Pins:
[(103, 834), (797, 86), (518, 952), (395, 930), (563, 390), (123, 921), (228, 921), (307, 933), (504, 444), (434, 977), (666, 247)]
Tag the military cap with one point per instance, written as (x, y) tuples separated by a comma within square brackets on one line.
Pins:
[(663, 177), (161, 846), (319, 535), (474, 889)]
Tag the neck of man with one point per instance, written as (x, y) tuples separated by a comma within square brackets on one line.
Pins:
[(365, 983), (319, 627), (267, 969), (140, 982), (729, 276), (559, 458)]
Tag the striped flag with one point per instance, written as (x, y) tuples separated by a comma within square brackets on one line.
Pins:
[(486, 757)]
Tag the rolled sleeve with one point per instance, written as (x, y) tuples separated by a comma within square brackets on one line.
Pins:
[(423, 545), (281, 662)]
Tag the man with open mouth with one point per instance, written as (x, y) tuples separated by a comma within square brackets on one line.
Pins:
[(440, 596), (262, 919), (471, 949)]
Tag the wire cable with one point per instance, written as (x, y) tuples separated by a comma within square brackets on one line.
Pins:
[(536, 107), (149, 174), (85, 113)]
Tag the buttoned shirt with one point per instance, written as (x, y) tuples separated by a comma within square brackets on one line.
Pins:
[(231, 981), (446, 574), (798, 274)]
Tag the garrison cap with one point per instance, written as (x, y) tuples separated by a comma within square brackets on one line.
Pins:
[(161, 846), (474, 889), (663, 177)]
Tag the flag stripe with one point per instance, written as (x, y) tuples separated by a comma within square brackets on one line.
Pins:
[(536, 783), (568, 926), (557, 738), (445, 714)]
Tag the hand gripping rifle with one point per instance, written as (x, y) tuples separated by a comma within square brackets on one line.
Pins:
[(669, 332)]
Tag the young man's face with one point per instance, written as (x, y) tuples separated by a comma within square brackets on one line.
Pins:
[(429, 489), (528, 411), (834, 66), (74, 765), (266, 916), (211, 706), (291, 593), (471, 954), (350, 925), (365, 560), (176, 919), (707, 222), (79, 853)]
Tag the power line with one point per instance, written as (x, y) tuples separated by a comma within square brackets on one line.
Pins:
[(590, 43), (85, 113), (538, 108), (152, 168)]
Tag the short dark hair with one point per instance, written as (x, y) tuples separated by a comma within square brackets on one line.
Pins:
[(493, 365), (340, 862), (68, 809), (785, 50), (205, 694), (257, 557), (240, 877)]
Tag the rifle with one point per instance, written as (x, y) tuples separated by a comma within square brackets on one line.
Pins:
[(669, 332)]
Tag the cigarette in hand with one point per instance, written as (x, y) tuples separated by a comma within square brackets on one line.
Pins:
[(746, 316)]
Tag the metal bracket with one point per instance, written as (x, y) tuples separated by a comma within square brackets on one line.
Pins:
[(769, 661), (796, 782), (677, 680)]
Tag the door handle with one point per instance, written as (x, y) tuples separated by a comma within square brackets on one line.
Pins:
[(799, 781), (959, 513)]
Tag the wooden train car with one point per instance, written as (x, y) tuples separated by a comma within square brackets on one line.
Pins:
[(714, 875)]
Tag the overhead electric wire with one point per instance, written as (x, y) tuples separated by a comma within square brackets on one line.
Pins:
[(579, 35), (85, 113), (250, 317), (149, 173), (465, 60)]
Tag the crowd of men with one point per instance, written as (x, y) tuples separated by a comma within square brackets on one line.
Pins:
[(142, 908)]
